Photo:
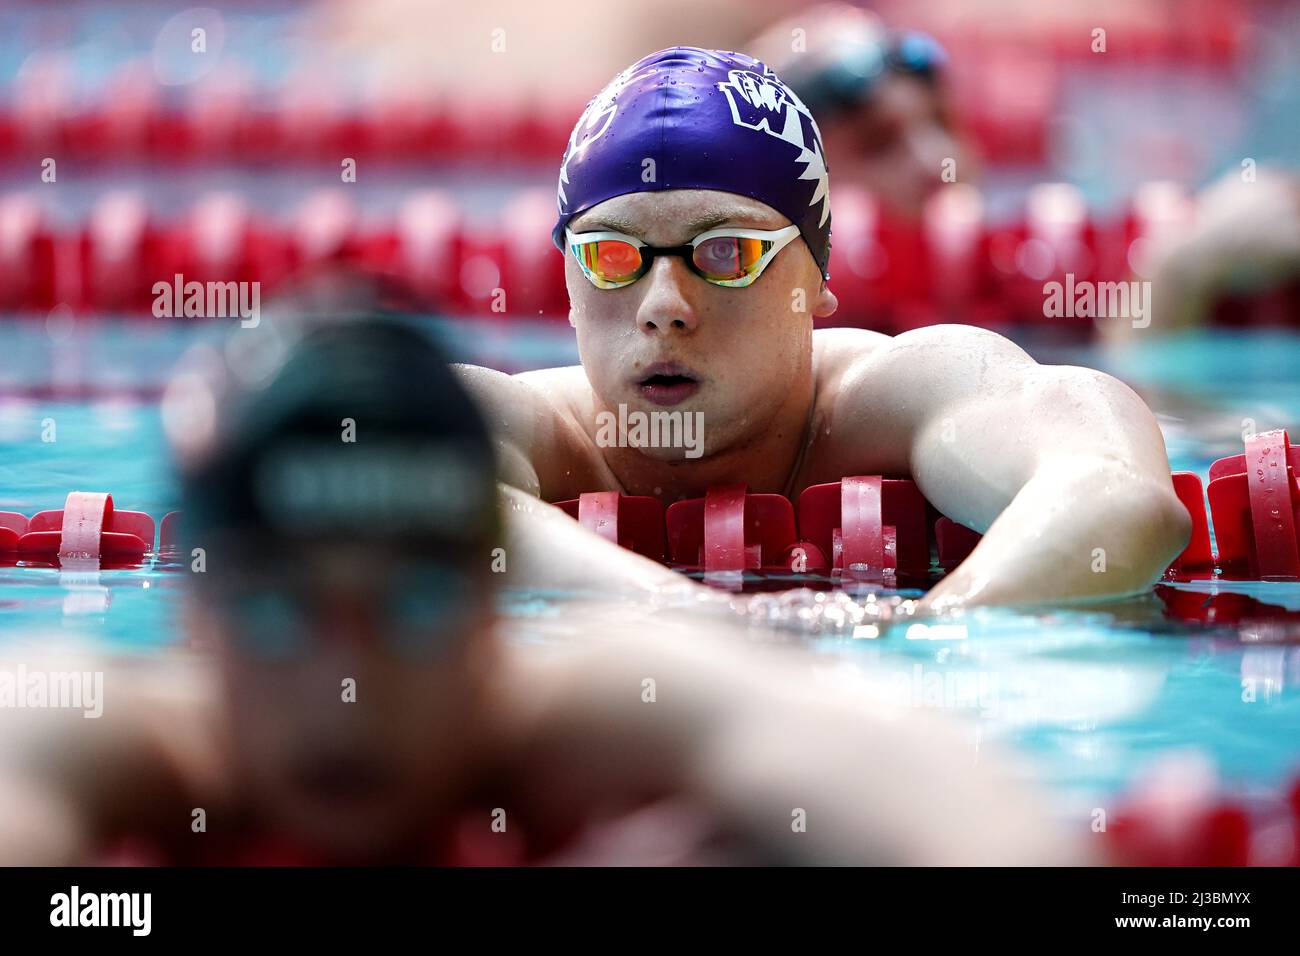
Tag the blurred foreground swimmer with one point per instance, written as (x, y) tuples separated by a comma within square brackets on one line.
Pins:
[(354, 700)]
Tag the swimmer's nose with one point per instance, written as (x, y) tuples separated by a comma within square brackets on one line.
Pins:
[(348, 627), (667, 305), (928, 148)]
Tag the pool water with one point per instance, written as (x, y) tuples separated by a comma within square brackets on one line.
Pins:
[(1092, 696)]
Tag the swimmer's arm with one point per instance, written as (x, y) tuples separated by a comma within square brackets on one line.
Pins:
[(748, 735), (547, 549), (1062, 469), (68, 783)]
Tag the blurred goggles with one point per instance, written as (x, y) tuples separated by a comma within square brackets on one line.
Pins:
[(727, 257), (418, 612)]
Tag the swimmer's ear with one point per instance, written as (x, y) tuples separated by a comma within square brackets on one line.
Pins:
[(825, 304)]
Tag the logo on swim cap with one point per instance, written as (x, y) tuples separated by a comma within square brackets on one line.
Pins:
[(762, 102), (762, 92)]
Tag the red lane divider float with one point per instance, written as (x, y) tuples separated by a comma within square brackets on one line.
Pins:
[(635, 522), (12, 527), (868, 528), (87, 528), (861, 528), (1255, 500), (1202, 826), (730, 530), (952, 266), (1005, 80)]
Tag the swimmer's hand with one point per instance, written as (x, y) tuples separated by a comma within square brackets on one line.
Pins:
[(1063, 469)]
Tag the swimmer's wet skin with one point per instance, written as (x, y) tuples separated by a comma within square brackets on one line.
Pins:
[(354, 701), (1063, 469)]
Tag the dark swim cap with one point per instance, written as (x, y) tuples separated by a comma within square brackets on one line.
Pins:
[(358, 430), (708, 120)]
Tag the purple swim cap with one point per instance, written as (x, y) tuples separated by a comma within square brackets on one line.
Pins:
[(709, 120)]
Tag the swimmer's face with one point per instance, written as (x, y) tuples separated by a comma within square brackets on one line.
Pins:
[(894, 144), (353, 687), (744, 348)]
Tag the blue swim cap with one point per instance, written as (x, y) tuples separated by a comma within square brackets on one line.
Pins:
[(708, 120)]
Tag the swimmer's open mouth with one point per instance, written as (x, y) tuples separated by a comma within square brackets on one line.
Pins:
[(668, 383), (668, 380)]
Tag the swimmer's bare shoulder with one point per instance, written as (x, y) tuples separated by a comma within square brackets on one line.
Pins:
[(836, 350), (536, 422), (875, 392)]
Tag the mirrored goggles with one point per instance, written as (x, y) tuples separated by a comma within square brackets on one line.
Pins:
[(727, 257)]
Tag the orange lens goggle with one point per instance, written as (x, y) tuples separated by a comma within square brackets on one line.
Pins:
[(727, 257)]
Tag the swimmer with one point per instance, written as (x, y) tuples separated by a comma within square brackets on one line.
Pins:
[(880, 100), (353, 697), (1235, 260), (695, 220)]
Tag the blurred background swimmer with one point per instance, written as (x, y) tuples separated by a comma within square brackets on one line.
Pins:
[(879, 97), (354, 698), (1231, 259)]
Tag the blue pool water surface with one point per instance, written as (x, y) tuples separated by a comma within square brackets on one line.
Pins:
[(1092, 696)]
